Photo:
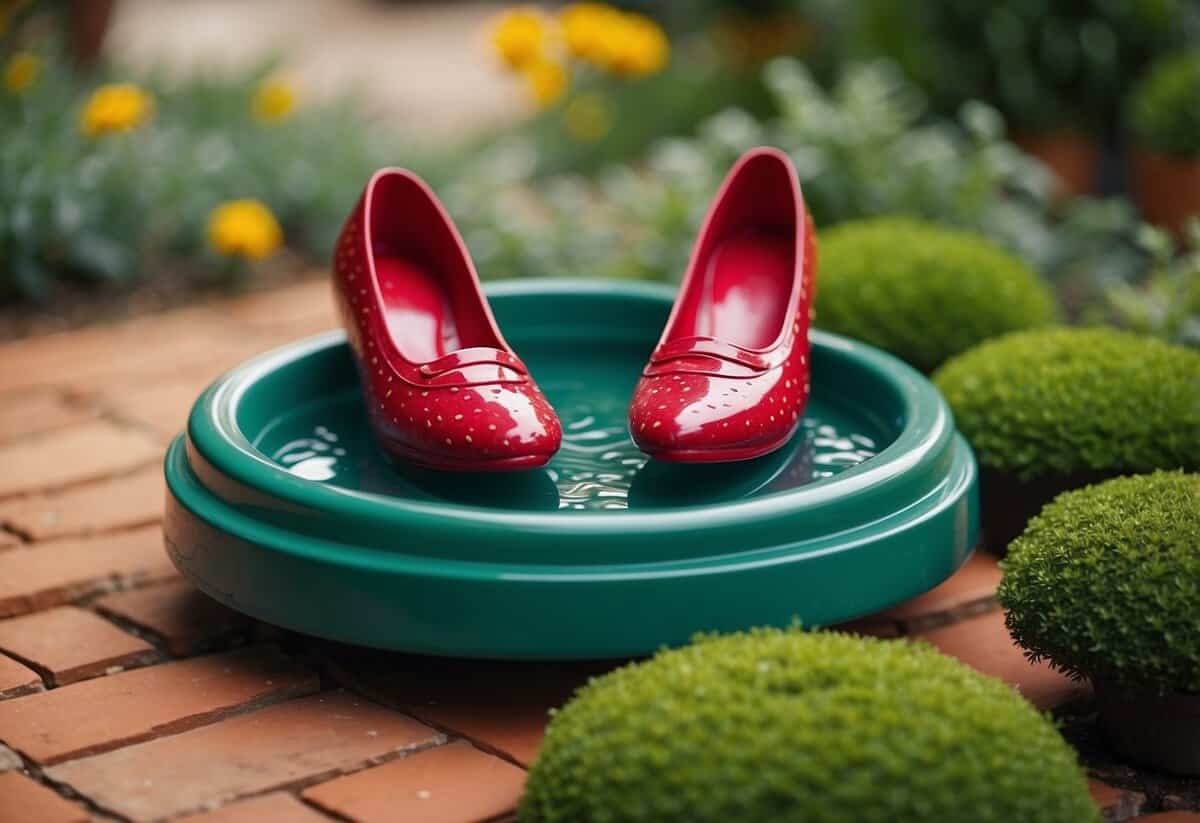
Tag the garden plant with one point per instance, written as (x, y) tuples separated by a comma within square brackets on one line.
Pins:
[(1053, 409), (1105, 584), (1166, 124), (923, 292), (783, 725)]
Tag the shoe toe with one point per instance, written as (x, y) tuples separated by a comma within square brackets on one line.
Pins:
[(698, 413)]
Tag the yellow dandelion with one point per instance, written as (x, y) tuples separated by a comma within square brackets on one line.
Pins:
[(273, 100), (636, 47), (245, 229), (520, 37), (22, 71), (588, 117), (118, 107), (546, 81), (587, 27)]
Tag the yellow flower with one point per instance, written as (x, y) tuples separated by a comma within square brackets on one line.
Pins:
[(520, 37), (636, 47), (587, 27), (273, 100), (620, 42), (588, 117), (115, 108), (244, 228), (547, 82), (22, 71)]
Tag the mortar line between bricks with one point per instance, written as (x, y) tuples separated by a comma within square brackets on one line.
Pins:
[(41, 671), (450, 732), (330, 813), (87, 531), (8, 529), (72, 485), (63, 790), (481, 745), (158, 641), (113, 415), (180, 726), (298, 785)]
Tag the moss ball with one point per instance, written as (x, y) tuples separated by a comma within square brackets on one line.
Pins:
[(1164, 108), (922, 292), (778, 726), (1105, 582), (1057, 402)]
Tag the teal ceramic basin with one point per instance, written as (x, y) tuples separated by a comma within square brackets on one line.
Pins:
[(280, 506)]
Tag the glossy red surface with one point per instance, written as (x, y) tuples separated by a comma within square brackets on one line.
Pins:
[(729, 377), (442, 388)]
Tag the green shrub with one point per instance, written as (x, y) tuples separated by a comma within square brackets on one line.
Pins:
[(1056, 402), (1105, 582), (775, 726), (922, 292), (1044, 64), (1165, 110)]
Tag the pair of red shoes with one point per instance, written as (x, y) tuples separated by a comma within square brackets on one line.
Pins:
[(728, 380)]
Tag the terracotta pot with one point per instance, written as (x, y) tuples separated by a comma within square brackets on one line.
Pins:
[(89, 20), (1167, 188), (1072, 155), (1160, 730), (1008, 503)]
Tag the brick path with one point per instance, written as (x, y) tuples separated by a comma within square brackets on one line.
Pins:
[(126, 694)]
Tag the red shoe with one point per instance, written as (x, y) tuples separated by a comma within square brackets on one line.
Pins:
[(730, 375), (443, 390)]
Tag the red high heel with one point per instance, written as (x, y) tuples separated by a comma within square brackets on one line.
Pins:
[(730, 376), (442, 387)]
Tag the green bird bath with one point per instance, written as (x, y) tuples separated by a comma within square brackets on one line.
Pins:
[(280, 506)]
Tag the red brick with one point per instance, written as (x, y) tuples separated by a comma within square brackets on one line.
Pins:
[(502, 706), (1117, 805), (26, 801), (48, 574), (449, 784), (204, 355), (269, 808), (17, 679), (185, 618), (306, 308), (28, 412), (985, 644), (142, 349), (121, 502), (97, 715), (73, 455), (163, 405), (283, 746), (1169, 817), (969, 591), (72, 644)]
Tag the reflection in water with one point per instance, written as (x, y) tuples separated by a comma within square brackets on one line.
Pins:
[(598, 468), (313, 458)]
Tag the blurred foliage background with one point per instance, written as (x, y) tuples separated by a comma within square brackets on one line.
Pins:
[(1012, 119)]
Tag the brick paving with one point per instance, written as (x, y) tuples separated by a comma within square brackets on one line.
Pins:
[(126, 694)]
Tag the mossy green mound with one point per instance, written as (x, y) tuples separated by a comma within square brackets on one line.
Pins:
[(787, 727), (923, 292), (1166, 105), (1105, 582), (1058, 402)]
